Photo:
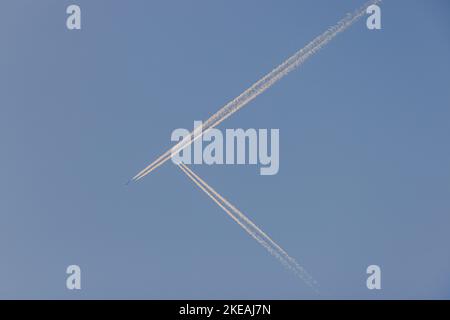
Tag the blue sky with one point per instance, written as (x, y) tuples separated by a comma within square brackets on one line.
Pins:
[(364, 149)]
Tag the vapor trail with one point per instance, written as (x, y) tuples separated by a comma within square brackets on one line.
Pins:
[(261, 85), (244, 218), (253, 230)]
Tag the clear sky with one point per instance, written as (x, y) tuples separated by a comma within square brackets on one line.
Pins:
[(364, 149)]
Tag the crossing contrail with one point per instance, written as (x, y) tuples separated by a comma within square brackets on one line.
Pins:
[(253, 230), (260, 86)]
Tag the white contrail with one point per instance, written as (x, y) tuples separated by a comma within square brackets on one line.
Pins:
[(245, 219), (253, 230), (260, 86)]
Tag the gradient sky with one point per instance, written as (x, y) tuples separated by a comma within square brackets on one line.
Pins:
[(364, 149)]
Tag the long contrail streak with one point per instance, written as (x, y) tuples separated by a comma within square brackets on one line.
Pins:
[(254, 231), (260, 86), (247, 220)]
